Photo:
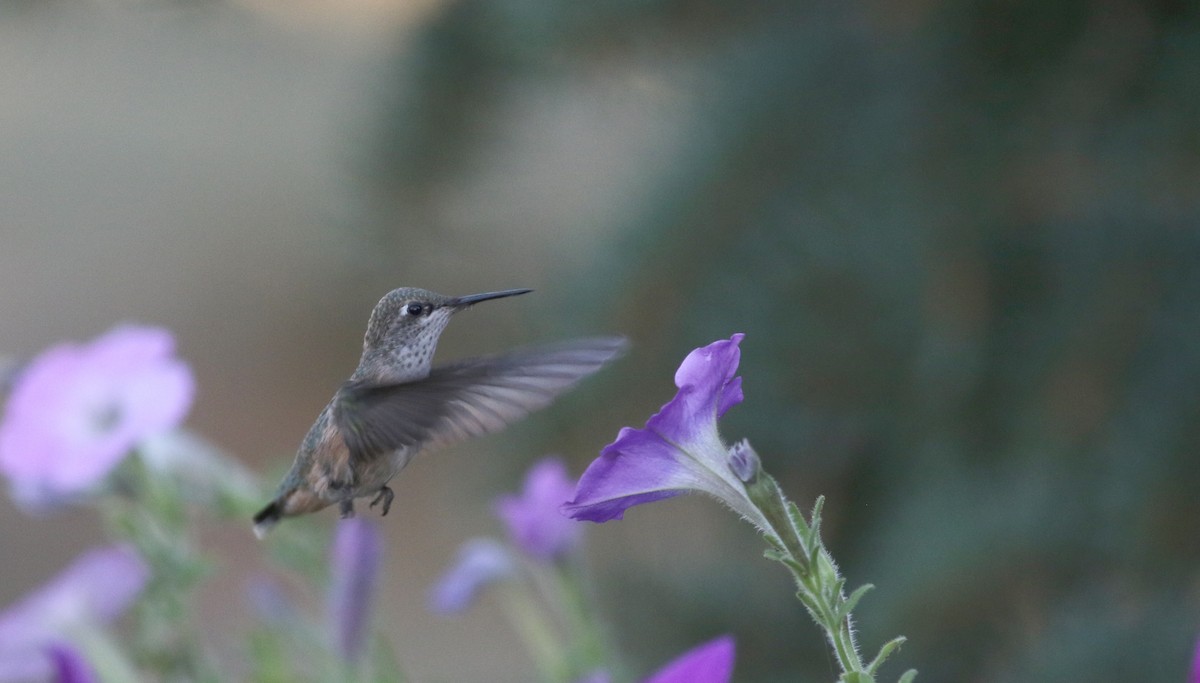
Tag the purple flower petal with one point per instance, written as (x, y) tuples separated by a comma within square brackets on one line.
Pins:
[(77, 410), (1195, 677), (69, 665), (354, 567), (534, 519), (480, 561), (678, 451), (639, 467), (707, 389), (711, 662), (97, 588)]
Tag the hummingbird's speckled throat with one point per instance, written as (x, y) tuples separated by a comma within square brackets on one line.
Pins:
[(396, 403)]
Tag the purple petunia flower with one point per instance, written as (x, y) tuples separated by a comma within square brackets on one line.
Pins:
[(1195, 674), (77, 410), (534, 518), (711, 662), (679, 450), (95, 589), (481, 561), (69, 665), (354, 566)]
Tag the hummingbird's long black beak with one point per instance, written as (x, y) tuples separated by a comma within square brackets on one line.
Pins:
[(464, 301)]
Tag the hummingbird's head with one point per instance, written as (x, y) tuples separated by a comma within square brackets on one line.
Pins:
[(405, 327)]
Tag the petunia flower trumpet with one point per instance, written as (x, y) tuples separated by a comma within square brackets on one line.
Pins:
[(680, 450), (77, 410)]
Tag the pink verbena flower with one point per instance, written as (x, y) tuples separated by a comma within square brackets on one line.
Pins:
[(679, 450), (77, 410)]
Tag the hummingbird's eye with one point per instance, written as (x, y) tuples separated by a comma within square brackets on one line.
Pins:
[(415, 309)]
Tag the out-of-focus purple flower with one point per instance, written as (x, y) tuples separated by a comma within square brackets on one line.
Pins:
[(354, 567), (269, 600), (679, 450), (598, 676), (77, 410), (480, 561), (1195, 677), (711, 662), (69, 665), (95, 589), (534, 518)]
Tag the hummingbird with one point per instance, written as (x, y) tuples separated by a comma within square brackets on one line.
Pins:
[(397, 404)]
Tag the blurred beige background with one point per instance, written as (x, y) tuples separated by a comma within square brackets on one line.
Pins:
[(959, 236), (191, 166)]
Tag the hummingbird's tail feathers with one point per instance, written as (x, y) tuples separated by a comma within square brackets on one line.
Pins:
[(466, 399), (267, 518)]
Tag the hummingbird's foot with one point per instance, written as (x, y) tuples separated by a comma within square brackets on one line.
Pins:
[(385, 494), (346, 507)]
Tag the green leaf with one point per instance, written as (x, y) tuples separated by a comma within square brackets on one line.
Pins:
[(885, 652), (798, 570), (777, 555), (908, 676), (848, 605), (776, 544), (803, 530), (387, 668), (814, 549), (814, 530), (835, 589)]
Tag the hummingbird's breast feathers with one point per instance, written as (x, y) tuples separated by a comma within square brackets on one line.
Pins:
[(330, 473)]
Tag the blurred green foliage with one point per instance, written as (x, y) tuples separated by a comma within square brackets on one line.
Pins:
[(963, 239)]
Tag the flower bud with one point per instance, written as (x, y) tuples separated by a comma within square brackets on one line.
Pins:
[(744, 461)]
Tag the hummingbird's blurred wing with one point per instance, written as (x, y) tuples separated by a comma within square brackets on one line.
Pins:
[(464, 399)]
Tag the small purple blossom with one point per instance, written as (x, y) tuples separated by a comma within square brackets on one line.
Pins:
[(679, 450), (354, 567), (77, 410), (711, 662), (1195, 674), (534, 517), (480, 561), (744, 461), (69, 665), (97, 588)]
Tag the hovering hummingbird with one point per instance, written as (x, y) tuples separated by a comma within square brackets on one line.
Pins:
[(396, 404)]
